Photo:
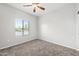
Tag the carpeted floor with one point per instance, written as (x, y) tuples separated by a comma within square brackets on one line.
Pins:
[(38, 48)]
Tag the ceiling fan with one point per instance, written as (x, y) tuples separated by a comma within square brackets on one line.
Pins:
[(35, 6)]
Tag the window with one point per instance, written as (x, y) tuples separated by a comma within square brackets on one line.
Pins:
[(22, 27)]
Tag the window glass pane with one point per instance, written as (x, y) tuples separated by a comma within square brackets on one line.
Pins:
[(26, 27), (22, 27), (18, 27)]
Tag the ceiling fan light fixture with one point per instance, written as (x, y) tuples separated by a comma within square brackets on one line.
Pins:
[(35, 7)]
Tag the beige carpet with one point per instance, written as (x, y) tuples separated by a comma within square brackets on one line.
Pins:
[(38, 48)]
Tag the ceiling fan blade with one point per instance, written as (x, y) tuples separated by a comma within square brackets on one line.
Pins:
[(41, 7), (27, 5)]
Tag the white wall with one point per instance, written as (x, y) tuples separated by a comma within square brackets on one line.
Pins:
[(8, 15), (77, 26), (59, 26)]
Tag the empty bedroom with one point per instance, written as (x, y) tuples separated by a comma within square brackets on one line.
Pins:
[(39, 29)]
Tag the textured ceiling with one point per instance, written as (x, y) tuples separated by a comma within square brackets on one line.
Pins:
[(48, 7)]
